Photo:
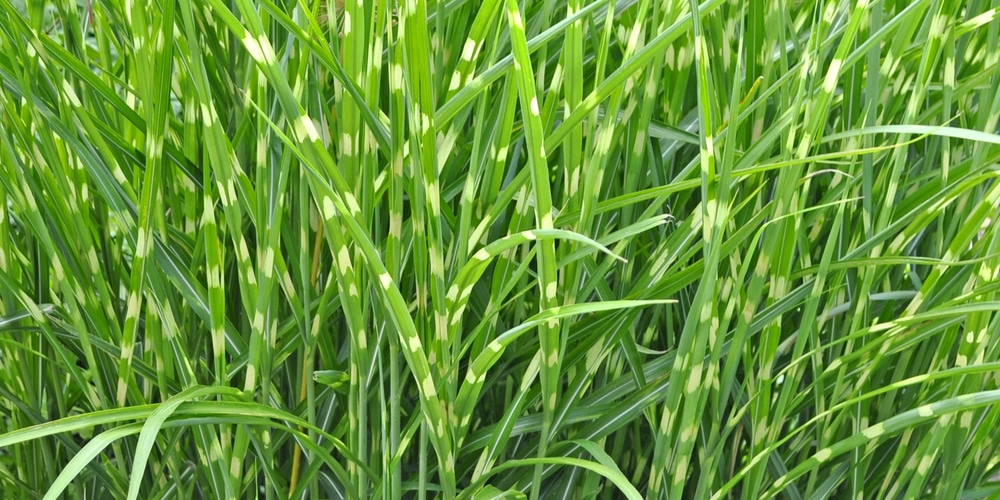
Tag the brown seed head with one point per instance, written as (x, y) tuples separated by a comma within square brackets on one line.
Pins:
[(323, 17)]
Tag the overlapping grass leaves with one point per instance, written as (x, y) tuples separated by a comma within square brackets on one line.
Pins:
[(497, 249)]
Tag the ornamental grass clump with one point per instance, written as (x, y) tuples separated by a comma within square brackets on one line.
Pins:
[(499, 249)]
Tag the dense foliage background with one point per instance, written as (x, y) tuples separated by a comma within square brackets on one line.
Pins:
[(496, 249)]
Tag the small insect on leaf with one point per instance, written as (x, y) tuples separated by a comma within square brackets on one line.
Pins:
[(336, 379)]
